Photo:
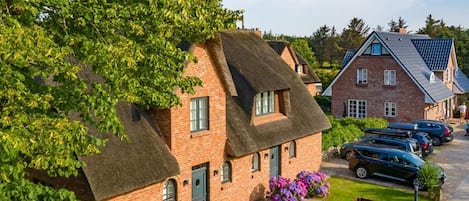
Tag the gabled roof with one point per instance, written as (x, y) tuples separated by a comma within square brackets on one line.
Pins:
[(347, 57), (256, 67), (125, 166), (461, 83), (402, 49), (311, 76), (435, 52), (280, 46)]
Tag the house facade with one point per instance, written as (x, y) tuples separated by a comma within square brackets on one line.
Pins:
[(399, 77), (252, 119)]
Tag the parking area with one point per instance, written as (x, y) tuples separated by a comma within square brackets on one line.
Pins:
[(452, 156)]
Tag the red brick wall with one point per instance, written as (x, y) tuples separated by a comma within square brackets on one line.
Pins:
[(410, 100), (288, 58), (312, 89), (192, 149)]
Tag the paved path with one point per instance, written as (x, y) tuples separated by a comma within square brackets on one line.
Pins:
[(462, 192), (452, 156)]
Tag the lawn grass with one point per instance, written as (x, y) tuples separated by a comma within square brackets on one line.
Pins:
[(346, 189)]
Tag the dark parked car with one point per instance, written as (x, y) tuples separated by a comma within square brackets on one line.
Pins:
[(438, 131), (391, 163), (407, 144), (422, 138)]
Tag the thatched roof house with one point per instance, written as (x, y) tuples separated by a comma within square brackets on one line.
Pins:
[(255, 68)]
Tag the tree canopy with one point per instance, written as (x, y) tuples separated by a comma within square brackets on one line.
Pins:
[(65, 65)]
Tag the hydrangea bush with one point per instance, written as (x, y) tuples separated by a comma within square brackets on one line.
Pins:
[(307, 184), (315, 182)]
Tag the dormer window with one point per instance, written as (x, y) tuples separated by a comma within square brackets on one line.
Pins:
[(376, 49), (432, 77), (299, 69), (271, 106), (265, 103)]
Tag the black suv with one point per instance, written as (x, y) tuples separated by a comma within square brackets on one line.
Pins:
[(391, 163), (422, 138), (438, 131), (407, 144)]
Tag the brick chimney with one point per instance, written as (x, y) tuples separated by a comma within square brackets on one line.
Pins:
[(400, 30)]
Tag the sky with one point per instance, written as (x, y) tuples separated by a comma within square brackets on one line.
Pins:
[(303, 17)]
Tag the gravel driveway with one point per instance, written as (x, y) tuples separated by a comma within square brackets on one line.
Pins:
[(452, 156)]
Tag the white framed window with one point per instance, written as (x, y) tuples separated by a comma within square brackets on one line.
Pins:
[(432, 77), (199, 114), (169, 190), (362, 76), (357, 108), (376, 49), (255, 165), (299, 69), (226, 172), (292, 149), (265, 103), (390, 109), (389, 77)]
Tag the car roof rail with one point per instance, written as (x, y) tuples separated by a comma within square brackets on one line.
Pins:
[(388, 132)]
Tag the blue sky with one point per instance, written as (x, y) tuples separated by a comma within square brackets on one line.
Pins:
[(303, 17)]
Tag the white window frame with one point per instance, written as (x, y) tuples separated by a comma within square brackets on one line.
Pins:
[(390, 109), (299, 68), (390, 77), (199, 114), (432, 77), (169, 193), (362, 76), (226, 172), (292, 149), (255, 162), (357, 108), (265, 103)]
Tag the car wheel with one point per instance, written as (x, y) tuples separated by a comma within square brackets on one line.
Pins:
[(436, 141), (361, 172), (347, 155)]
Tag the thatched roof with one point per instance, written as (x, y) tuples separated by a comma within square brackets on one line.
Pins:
[(310, 76), (256, 67), (280, 46), (125, 166)]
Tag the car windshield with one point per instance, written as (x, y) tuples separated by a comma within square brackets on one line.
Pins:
[(414, 159)]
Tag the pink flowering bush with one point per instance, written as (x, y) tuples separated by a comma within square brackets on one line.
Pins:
[(315, 182), (307, 184), (283, 189)]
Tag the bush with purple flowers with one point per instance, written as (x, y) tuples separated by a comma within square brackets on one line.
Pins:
[(315, 182), (307, 184)]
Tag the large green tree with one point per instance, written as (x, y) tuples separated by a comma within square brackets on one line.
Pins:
[(319, 43), (354, 35), (60, 58), (432, 27)]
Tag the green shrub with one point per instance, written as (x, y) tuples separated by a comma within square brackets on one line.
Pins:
[(324, 102), (429, 176), (348, 129)]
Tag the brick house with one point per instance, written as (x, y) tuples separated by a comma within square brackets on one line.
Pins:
[(253, 119), (298, 64), (399, 77)]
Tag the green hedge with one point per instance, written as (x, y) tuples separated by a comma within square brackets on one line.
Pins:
[(348, 129)]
